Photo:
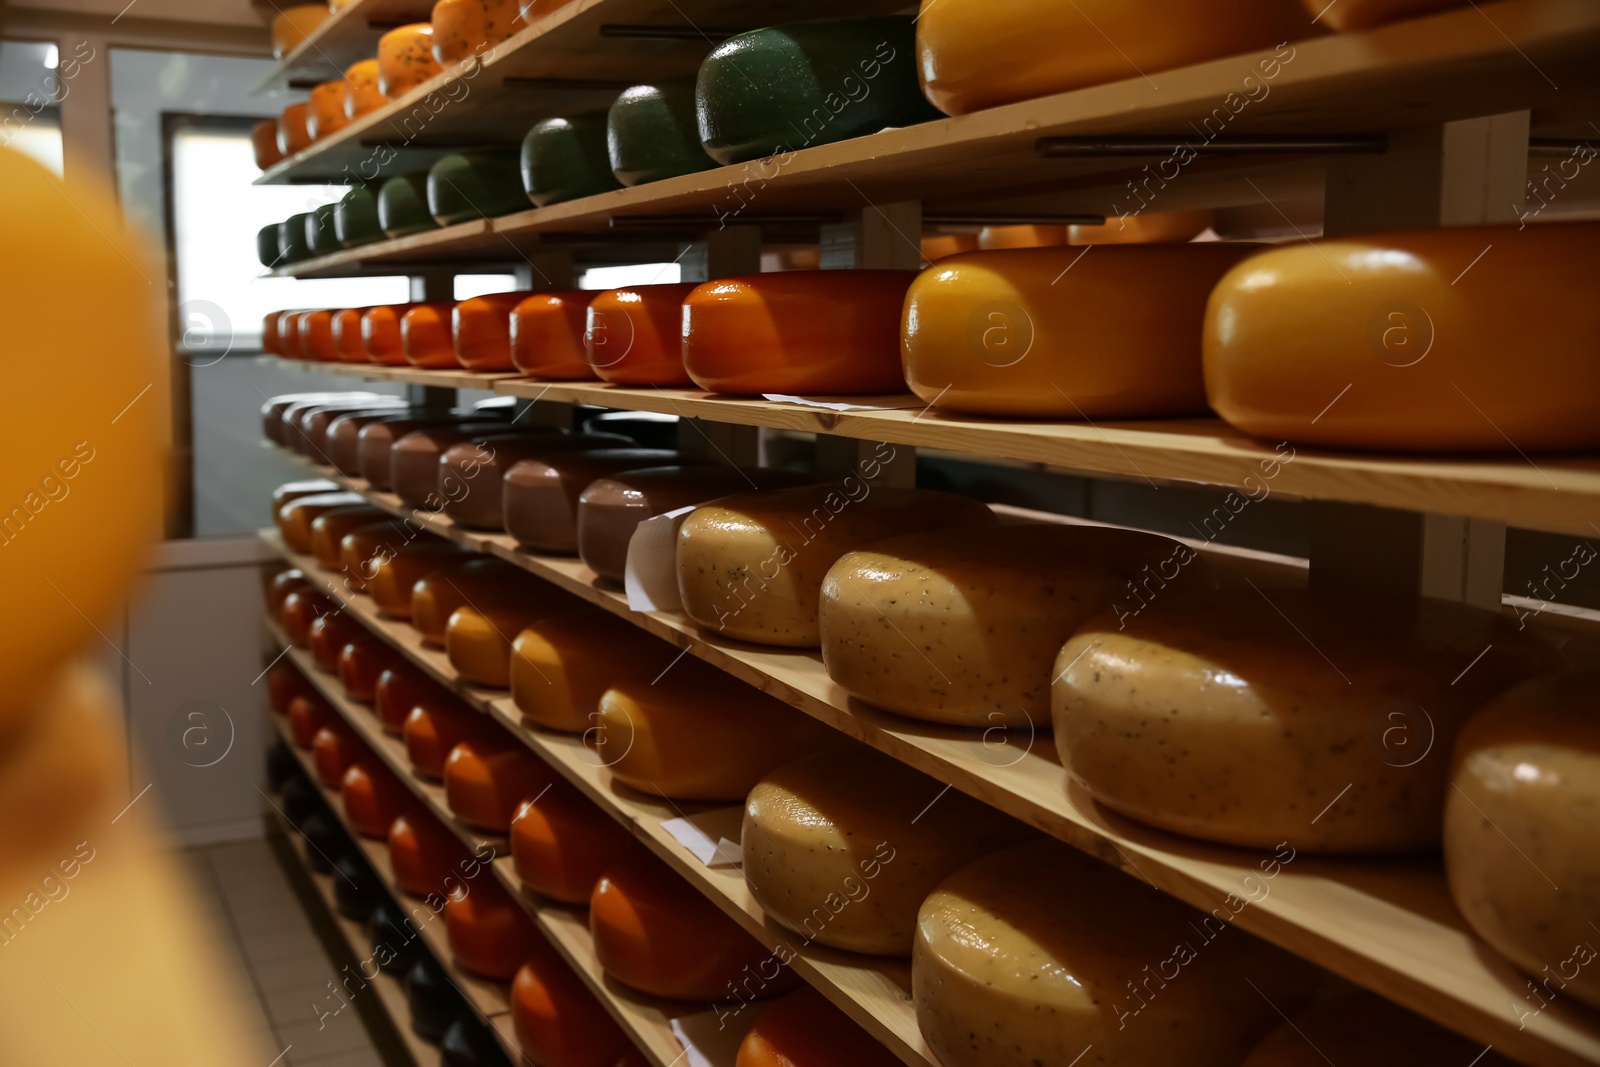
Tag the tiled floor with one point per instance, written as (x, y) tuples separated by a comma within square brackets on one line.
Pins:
[(279, 959)]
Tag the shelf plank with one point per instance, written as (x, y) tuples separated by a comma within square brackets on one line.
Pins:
[(349, 34)]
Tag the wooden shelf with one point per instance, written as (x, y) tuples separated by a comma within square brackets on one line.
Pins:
[(349, 34)]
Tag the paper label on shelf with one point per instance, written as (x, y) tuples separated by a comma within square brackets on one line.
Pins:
[(711, 836), (712, 1039), (651, 578), (840, 405)]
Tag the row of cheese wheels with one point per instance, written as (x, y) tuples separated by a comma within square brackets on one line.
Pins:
[(850, 850), (1391, 341)]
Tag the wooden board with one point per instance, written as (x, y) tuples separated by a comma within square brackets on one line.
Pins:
[(349, 34)]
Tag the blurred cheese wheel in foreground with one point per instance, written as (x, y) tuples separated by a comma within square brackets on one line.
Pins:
[(1308, 718), (481, 330), (547, 331), (1388, 342), (1365, 14), (400, 688), (284, 683), (826, 332), (751, 566), (373, 798), (939, 246), (1035, 953), (804, 1030), (381, 336), (992, 238), (426, 337), (696, 733), (308, 714), (562, 663), (471, 473), (296, 516), (301, 610), (562, 842), (478, 643), (482, 583), (405, 59), (486, 781), (335, 748), (363, 96), (1151, 227), (539, 495), (435, 724), (655, 932), (634, 336), (972, 57), (329, 528), (1032, 333), (558, 1022), (490, 934), (987, 614), (1359, 1027), (424, 853), (394, 574), (329, 634), (362, 662), (1523, 814), (842, 847)]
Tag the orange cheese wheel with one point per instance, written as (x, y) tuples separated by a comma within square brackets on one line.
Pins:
[(284, 583), (486, 781), (547, 335), (296, 516), (971, 56), (481, 329), (558, 1022), (1151, 227), (289, 336), (301, 610), (1043, 334), (435, 724), (269, 333), (348, 345), (425, 855), (655, 932), (992, 238), (308, 714), (400, 688), (802, 1029), (478, 642), (316, 336), (264, 141), (1397, 344), (363, 96), (1358, 1027), (294, 130), (329, 528), (284, 683), (634, 336), (562, 842), (327, 103), (363, 548), (381, 334), (1350, 15), (482, 583), (463, 28), (292, 25), (335, 748), (539, 495), (362, 662), (425, 336), (471, 473), (395, 574), (828, 332), (490, 933), (405, 59), (373, 798), (938, 246), (328, 636), (562, 663)]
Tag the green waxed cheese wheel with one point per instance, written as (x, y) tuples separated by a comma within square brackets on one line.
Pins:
[(267, 249), (803, 84), (563, 159), (355, 218), (652, 133), (475, 185), (320, 236), (292, 245), (403, 206)]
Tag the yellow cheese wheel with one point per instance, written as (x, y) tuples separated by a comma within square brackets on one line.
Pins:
[(363, 550), (478, 640), (974, 55), (562, 842), (843, 847), (1044, 333), (292, 25), (1150, 227), (1520, 830), (391, 577), (695, 733), (1399, 341), (562, 663), (1038, 953), (363, 96), (539, 495), (327, 114), (804, 1030), (1357, 1027), (463, 28), (1252, 718), (405, 59), (1348, 15), (953, 628), (750, 566), (295, 517)]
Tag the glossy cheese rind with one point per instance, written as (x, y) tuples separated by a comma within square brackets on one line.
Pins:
[(1041, 333), (435, 724), (403, 206), (292, 246), (1252, 718), (1350, 15), (558, 1021), (363, 96), (490, 934), (268, 252), (426, 336), (485, 782), (484, 583), (565, 158), (481, 327), (400, 688), (1149, 227), (547, 335), (539, 496), (362, 662), (1389, 341), (634, 336), (562, 664), (264, 142), (329, 528), (751, 566), (478, 184), (803, 1029), (391, 576), (296, 516), (425, 855), (562, 842), (405, 59), (321, 238), (1520, 828), (478, 642), (1360, 1027), (652, 133)]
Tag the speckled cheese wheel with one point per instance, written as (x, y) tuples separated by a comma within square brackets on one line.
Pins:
[(1520, 827), (961, 627), (751, 566), (561, 664), (1252, 718), (463, 28), (364, 96), (804, 1029), (405, 59), (1033, 956), (843, 847), (1357, 1027), (1351, 15), (562, 842)]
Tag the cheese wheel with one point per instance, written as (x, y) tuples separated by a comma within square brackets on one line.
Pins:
[(341, 443), (833, 332), (414, 459), (695, 733), (271, 340), (611, 508), (490, 934), (275, 411), (558, 1022), (425, 855), (1353, 15), (1036, 953), (1397, 345), (288, 321), (539, 496), (802, 1029), (327, 637), (316, 327), (435, 724), (294, 129), (939, 246), (264, 142), (478, 641), (1043, 334), (355, 221), (751, 566), (284, 683), (378, 439), (562, 663), (268, 252), (842, 847), (296, 517), (323, 240), (284, 583), (655, 932), (1304, 717), (364, 548), (471, 473), (481, 330), (362, 661), (292, 248), (1358, 1027), (292, 25), (301, 609), (313, 423), (400, 688), (773, 91), (328, 530), (465, 28), (335, 748), (482, 583), (952, 628), (347, 345), (405, 59), (562, 842), (486, 781), (1152, 227), (1520, 822), (547, 335), (477, 184), (993, 238), (373, 798), (396, 573), (566, 158), (403, 206), (308, 714), (433, 1000), (652, 133), (297, 419), (973, 57), (380, 334), (425, 336), (634, 336), (327, 108), (364, 96)]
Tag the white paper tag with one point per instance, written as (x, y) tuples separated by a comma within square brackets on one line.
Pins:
[(651, 577), (711, 836), (840, 405), (710, 1040)]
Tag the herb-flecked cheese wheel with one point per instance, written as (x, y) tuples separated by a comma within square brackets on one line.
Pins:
[(405, 59), (634, 336), (565, 158), (464, 28), (803, 1029), (1359, 1027), (547, 331), (1354, 15), (403, 206), (363, 96), (652, 133)]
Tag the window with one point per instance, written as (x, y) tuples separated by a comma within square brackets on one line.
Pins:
[(30, 89), (633, 274)]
